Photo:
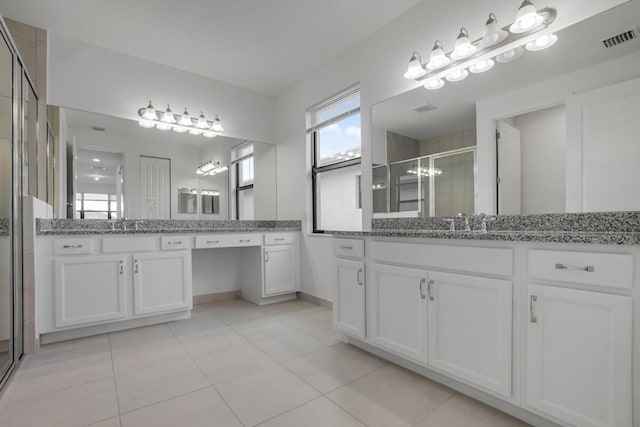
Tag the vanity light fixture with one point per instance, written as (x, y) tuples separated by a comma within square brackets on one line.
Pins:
[(167, 120), (210, 193), (211, 167), (425, 171), (498, 44)]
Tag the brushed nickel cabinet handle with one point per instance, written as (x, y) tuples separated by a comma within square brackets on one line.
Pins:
[(266, 256), (422, 282), (72, 246), (358, 278), (245, 240), (431, 298), (212, 241), (587, 268), (121, 268), (175, 243), (136, 267), (532, 315), (279, 239), (346, 248)]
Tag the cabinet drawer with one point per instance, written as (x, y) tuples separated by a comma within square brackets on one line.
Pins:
[(349, 247), (72, 246), (589, 268), (279, 238), (228, 240), (128, 244), (175, 242)]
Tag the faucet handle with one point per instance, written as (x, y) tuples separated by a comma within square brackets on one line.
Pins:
[(483, 223), (452, 223)]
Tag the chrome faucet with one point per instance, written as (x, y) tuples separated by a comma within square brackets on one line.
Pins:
[(451, 222), (463, 216), (484, 218)]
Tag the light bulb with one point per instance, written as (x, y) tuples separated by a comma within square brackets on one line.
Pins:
[(457, 76), (542, 42), (463, 47), (510, 55), (195, 132), (482, 66), (147, 124), (527, 18), (415, 69), (493, 34), (202, 122), (185, 120), (434, 84), (217, 125), (168, 116), (163, 126), (209, 134), (179, 129), (150, 113), (437, 59)]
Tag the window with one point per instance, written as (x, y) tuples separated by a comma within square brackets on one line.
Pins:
[(242, 180), (333, 127), (96, 206)]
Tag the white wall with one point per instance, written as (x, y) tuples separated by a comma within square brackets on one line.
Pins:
[(337, 191), (90, 78), (377, 63), (543, 136)]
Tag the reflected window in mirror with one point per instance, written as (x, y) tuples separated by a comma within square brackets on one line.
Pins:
[(96, 206), (242, 177), (334, 132)]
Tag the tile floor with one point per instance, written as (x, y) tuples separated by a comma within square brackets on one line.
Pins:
[(231, 364)]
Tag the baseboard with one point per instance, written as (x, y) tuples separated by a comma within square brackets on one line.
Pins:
[(218, 296), (317, 300)]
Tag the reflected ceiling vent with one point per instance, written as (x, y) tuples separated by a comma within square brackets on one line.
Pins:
[(621, 38), (98, 128), (424, 108)]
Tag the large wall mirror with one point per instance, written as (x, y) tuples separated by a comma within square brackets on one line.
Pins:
[(555, 131), (118, 169)]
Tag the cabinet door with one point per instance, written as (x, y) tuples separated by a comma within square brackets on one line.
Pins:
[(399, 310), (89, 290), (579, 356), (470, 329), (161, 282), (349, 311), (279, 270)]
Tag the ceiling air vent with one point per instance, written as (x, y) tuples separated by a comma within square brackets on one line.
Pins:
[(621, 38), (424, 108)]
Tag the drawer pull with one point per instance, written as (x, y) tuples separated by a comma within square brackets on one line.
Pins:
[(279, 239), (532, 314), (212, 241), (346, 248), (121, 268), (245, 240), (422, 282), (72, 246), (431, 298), (358, 277), (266, 256), (588, 268), (175, 243), (136, 267)]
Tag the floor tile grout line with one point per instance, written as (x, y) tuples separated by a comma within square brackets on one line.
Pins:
[(164, 400), (115, 383), (289, 410), (436, 408)]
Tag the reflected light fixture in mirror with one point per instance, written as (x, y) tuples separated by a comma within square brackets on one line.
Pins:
[(211, 167), (167, 120), (497, 44)]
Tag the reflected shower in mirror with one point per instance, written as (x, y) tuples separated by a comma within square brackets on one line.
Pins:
[(187, 200), (210, 202), (553, 132)]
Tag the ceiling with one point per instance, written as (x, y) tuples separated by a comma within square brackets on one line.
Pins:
[(92, 164), (578, 46), (261, 45)]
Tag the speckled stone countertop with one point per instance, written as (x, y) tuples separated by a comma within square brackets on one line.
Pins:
[(46, 227), (611, 228)]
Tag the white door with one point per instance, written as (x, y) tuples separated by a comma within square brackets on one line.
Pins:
[(155, 188), (349, 307), (279, 270), (509, 169), (162, 282), (89, 290), (579, 356), (399, 310), (470, 329)]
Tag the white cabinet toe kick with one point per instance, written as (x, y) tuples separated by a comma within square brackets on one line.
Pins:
[(93, 284), (542, 331)]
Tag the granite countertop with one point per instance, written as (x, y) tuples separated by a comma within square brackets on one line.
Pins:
[(58, 227), (610, 228)]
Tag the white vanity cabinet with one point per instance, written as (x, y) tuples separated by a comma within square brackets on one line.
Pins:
[(349, 313), (470, 322), (89, 290), (281, 264), (161, 282), (398, 310)]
